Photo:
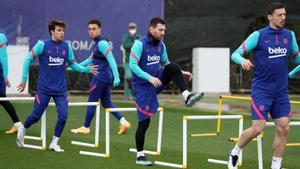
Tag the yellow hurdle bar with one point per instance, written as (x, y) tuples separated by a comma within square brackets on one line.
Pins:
[(235, 139), (236, 97), (293, 144), (204, 135)]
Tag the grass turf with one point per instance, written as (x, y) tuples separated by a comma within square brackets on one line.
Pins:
[(199, 148)]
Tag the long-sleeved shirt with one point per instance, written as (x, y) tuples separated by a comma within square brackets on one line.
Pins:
[(53, 58), (272, 49), (146, 60)]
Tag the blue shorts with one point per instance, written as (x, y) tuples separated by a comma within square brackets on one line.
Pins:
[(277, 105), (146, 99)]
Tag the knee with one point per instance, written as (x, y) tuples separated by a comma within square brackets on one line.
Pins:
[(258, 130), (62, 118), (283, 130), (173, 68)]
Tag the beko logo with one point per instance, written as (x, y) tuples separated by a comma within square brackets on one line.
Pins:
[(277, 52), (55, 61)]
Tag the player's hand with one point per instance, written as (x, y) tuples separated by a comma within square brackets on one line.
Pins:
[(7, 82), (155, 81), (116, 82), (187, 75), (246, 65), (21, 87), (93, 69)]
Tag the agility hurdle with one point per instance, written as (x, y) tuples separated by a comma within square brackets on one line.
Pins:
[(235, 139), (184, 139), (259, 142), (107, 133), (42, 136)]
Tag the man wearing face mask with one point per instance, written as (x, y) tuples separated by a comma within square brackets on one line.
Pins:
[(127, 42)]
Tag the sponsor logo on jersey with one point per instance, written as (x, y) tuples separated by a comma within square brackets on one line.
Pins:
[(55, 61), (277, 52), (153, 59)]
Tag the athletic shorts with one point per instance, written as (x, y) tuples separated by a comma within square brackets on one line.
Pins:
[(146, 99), (277, 106)]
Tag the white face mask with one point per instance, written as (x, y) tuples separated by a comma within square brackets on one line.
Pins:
[(132, 31)]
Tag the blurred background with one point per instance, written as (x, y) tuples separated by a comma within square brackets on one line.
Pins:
[(199, 33)]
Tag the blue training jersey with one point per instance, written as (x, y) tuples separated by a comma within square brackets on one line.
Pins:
[(146, 59), (3, 55), (272, 50), (53, 58), (103, 57)]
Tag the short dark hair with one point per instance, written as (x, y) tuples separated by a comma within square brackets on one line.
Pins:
[(95, 21), (273, 6), (56, 22), (155, 21)]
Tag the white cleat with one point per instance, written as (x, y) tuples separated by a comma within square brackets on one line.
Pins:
[(56, 148), (21, 136)]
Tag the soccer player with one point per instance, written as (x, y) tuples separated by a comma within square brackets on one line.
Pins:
[(100, 86), (271, 47), (152, 71), (53, 55), (4, 82)]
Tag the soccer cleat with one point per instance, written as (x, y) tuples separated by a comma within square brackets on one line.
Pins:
[(13, 129), (21, 136), (124, 127), (56, 148), (81, 130), (232, 161), (193, 98), (142, 160)]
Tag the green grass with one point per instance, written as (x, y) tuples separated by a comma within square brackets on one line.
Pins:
[(199, 148)]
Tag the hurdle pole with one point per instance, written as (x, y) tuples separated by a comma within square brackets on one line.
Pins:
[(259, 152), (184, 138), (219, 114), (97, 104), (42, 136), (97, 124), (259, 142), (107, 139), (107, 133), (184, 149), (159, 137)]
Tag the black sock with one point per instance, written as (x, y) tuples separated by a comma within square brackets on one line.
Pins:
[(173, 71), (140, 134), (9, 109)]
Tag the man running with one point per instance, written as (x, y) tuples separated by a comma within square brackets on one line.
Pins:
[(272, 47), (53, 54)]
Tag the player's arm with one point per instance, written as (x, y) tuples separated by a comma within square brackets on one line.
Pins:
[(248, 45), (84, 63), (105, 48), (295, 54), (3, 55), (35, 52), (77, 67), (135, 55), (164, 61)]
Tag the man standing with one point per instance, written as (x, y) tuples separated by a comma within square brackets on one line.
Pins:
[(100, 86), (4, 82), (272, 47), (152, 71), (53, 55), (127, 42)]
